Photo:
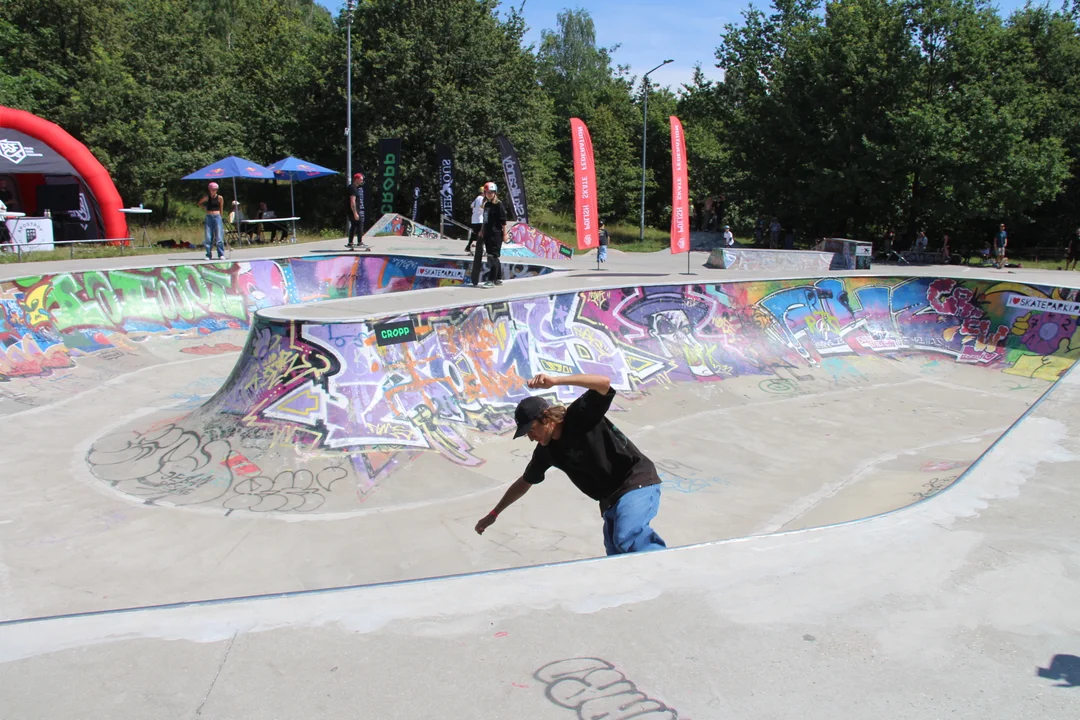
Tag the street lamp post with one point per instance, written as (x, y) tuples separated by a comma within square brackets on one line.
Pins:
[(644, 139), (350, 6)]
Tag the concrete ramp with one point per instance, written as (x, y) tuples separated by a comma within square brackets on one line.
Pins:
[(395, 224), (525, 240), (742, 258), (208, 400), (222, 513)]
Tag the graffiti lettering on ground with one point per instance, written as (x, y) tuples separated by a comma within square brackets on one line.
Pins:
[(595, 689), (934, 486), (169, 465)]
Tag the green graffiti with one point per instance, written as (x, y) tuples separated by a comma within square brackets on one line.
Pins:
[(164, 295), (66, 307), (223, 302)]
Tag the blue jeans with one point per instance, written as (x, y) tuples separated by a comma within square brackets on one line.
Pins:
[(626, 523), (215, 231), (603, 253)]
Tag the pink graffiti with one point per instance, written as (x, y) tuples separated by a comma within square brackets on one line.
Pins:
[(537, 242)]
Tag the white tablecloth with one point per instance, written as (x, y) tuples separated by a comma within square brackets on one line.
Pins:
[(33, 233)]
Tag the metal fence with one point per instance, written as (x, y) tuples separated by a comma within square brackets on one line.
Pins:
[(27, 250)]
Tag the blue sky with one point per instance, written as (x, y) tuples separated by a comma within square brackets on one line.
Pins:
[(650, 31)]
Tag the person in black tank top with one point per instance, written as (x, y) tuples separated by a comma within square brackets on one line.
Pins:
[(214, 225)]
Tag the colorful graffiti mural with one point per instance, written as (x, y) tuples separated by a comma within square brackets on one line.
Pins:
[(50, 320), (525, 240), (332, 394), (539, 244), (394, 224)]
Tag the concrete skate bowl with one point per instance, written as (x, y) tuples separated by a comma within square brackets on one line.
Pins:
[(766, 405)]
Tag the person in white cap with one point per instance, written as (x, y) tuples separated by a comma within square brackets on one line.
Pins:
[(493, 234), (214, 226)]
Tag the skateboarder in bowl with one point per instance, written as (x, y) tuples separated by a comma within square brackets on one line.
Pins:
[(602, 462)]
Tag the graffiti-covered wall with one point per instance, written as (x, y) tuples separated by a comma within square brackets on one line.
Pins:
[(394, 224), (330, 393), (49, 321), (539, 244), (468, 367)]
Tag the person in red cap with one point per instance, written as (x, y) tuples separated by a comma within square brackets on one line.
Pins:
[(214, 225), (355, 198), (597, 457)]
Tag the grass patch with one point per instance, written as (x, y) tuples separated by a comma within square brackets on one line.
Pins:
[(624, 237)]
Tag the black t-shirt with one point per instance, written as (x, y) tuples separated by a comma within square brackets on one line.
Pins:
[(595, 455), (604, 237), (353, 191), (494, 220)]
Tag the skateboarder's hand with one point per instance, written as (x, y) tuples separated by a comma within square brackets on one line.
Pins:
[(542, 382), (485, 522)]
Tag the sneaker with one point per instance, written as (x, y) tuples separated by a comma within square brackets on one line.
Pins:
[(488, 284), (498, 282), (209, 258), (349, 247), (362, 246)]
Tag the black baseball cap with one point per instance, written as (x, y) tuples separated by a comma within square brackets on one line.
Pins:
[(527, 412)]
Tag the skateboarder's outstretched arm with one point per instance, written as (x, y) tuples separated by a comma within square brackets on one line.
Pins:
[(512, 495)]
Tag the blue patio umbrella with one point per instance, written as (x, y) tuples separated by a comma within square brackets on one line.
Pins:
[(232, 167), (296, 170)]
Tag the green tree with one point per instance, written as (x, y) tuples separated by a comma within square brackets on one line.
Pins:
[(1049, 44), (453, 72), (579, 78), (919, 114)]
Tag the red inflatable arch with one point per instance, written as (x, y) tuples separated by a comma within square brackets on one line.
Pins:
[(81, 160)]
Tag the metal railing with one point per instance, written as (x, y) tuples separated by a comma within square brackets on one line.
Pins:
[(442, 226), (18, 248)]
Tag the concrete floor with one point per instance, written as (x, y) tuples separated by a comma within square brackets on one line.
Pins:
[(948, 607)]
